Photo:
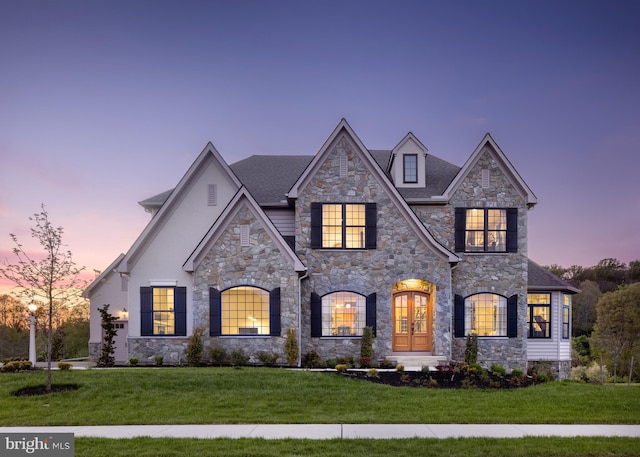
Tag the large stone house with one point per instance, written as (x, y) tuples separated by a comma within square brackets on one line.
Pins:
[(423, 251)]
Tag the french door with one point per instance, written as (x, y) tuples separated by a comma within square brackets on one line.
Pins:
[(411, 322)]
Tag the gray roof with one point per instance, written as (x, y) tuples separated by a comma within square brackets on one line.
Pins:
[(269, 177), (542, 279)]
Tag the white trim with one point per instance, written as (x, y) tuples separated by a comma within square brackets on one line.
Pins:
[(163, 283)]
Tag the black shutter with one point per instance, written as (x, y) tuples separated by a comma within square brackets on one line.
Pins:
[(371, 221), (316, 225), (371, 312), (316, 315), (458, 317), (215, 312), (460, 226), (180, 311), (274, 312), (146, 311), (512, 229), (512, 316)]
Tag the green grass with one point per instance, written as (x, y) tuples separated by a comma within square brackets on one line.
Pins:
[(262, 395), (464, 447)]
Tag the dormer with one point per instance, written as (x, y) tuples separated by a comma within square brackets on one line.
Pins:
[(407, 163)]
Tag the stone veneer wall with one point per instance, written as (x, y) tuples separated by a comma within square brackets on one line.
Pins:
[(261, 264), (503, 273), (401, 254)]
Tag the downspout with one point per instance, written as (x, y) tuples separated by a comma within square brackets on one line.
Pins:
[(306, 275)]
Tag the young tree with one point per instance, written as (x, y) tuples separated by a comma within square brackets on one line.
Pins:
[(106, 358), (53, 278), (617, 329)]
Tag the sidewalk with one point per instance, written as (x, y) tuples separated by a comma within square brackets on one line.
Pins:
[(329, 431)]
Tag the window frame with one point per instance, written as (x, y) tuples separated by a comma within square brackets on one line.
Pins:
[(329, 312), (148, 311), (531, 333), (510, 232), (502, 329), (320, 227), (274, 315), (405, 168), (234, 322), (566, 316)]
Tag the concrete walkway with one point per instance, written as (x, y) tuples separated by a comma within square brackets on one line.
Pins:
[(329, 431)]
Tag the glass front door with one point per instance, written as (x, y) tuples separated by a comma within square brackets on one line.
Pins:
[(411, 322)]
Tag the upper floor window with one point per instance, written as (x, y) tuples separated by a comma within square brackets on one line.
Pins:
[(244, 310), (486, 315), (566, 316), (163, 311), (539, 317), (343, 225), (410, 168), (486, 230)]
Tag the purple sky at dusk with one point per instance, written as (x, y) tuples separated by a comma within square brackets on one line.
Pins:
[(103, 104)]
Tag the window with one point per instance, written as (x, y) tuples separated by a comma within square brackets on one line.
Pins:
[(342, 313), (486, 315), (539, 317), (163, 311), (410, 168), (244, 311), (343, 225), (566, 316), (486, 230)]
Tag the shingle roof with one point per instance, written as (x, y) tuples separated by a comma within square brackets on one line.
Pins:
[(542, 279), (269, 178)]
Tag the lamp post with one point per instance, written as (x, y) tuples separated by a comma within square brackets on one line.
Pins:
[(32, 333)]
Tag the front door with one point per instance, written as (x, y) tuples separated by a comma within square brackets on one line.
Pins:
[(411, 322), (120, 350)]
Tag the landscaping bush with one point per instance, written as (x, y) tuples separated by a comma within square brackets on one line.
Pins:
[(471, 349), (194, 348), (267, 358), (133, 361), (366, 343), (341, 368), (291, 347), (158, 360), (312, 360), (498, 370), (17, 365), (64, 366), (238, 358), (217, 355)]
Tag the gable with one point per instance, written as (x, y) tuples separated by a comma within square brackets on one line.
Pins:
[(344, 167), (481, 169), (179, 222), (244, 219)]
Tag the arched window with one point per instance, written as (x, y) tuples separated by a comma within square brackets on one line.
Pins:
[(486, 314), (245, 311), (343, 314)]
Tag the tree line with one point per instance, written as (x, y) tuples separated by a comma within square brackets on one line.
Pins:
[(606, 313)]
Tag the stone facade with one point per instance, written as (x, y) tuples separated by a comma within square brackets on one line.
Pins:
[(400, 254)]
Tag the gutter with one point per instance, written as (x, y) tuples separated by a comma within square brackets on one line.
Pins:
[(299, 332)]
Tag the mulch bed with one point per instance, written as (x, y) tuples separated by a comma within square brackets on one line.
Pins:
[(441, 379), (42, 390)]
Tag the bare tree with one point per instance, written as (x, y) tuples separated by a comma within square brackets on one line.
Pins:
[(54, 278)]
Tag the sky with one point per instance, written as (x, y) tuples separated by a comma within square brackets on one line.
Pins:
[(106, 103)]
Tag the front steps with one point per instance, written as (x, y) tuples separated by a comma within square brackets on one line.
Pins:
[(415, 362)]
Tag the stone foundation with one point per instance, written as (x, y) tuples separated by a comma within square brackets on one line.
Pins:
[(557, 369)]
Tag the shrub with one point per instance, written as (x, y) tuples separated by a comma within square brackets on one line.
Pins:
[(158, 360), (17, 365), (400, 368), (238, 358), (194, 347), (498, 370), (471, 349), (517, 372), (64, 366), (217, 355), (366, 343), (291, 347), (330, 363), (387, 364), (341, 368), (365, 362), (133, 361), (311, 360), (372, 373), (267, 358)]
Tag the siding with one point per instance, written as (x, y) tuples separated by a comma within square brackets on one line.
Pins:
[(284, 220), (554, 348)]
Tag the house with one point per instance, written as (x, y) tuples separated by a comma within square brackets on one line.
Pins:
[(423, 251)]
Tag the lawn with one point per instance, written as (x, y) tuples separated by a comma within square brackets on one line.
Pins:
[(263, 395)]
